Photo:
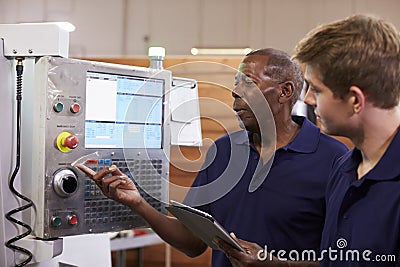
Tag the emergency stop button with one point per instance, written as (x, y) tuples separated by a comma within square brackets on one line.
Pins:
[(66, 141), (72, 219), (71, 141), (75, 108)]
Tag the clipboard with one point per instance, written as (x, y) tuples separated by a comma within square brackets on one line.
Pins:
[(202, 224)]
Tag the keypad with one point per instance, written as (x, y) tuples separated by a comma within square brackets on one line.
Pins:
[(146, 176)]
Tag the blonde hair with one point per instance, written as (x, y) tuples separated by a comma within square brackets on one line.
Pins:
[(360, 50)]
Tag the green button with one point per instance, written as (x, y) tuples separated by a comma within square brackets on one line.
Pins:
[(56, 221), (58, 107)]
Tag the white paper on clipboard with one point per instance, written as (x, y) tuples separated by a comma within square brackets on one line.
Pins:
[(185, 113)]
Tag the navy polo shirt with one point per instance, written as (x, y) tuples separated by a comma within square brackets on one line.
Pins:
[(288, 210), (363, 215)]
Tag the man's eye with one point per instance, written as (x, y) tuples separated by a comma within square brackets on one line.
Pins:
[(236, 82), (248, 81), (306, 86), (244, 79), (314, 90)]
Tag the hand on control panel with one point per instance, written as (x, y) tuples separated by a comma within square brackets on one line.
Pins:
[(117, 186)]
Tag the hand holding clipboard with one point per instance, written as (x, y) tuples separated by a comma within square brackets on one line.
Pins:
[(202, 224)]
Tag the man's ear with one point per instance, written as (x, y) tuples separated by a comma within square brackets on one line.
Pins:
[(356, 99), (287, 91)]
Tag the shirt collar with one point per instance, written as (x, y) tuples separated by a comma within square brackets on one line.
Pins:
[(306, 140), (242, 137), (386, 169)]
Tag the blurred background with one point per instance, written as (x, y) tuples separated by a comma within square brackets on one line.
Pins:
[(120, 28)]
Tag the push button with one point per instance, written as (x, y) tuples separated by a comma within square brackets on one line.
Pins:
[(58, 107), (71, 141), (75, 108), (72, 219), (55, 221), (67, 141)]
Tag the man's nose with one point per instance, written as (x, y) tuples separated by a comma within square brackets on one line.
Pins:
[(235, 95), (309, 98), (238, 91)]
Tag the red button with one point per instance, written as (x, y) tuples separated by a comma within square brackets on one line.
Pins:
[(71, 141), (72, 219), (91, 161), (75, 108)]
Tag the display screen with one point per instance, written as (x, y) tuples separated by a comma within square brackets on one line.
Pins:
[(123, 111)]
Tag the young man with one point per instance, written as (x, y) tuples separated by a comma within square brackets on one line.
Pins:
[(286, 208), (353, 72)]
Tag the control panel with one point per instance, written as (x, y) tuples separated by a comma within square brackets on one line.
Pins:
[(97, 114)]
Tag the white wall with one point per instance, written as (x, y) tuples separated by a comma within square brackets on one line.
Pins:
[(128, 27)]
